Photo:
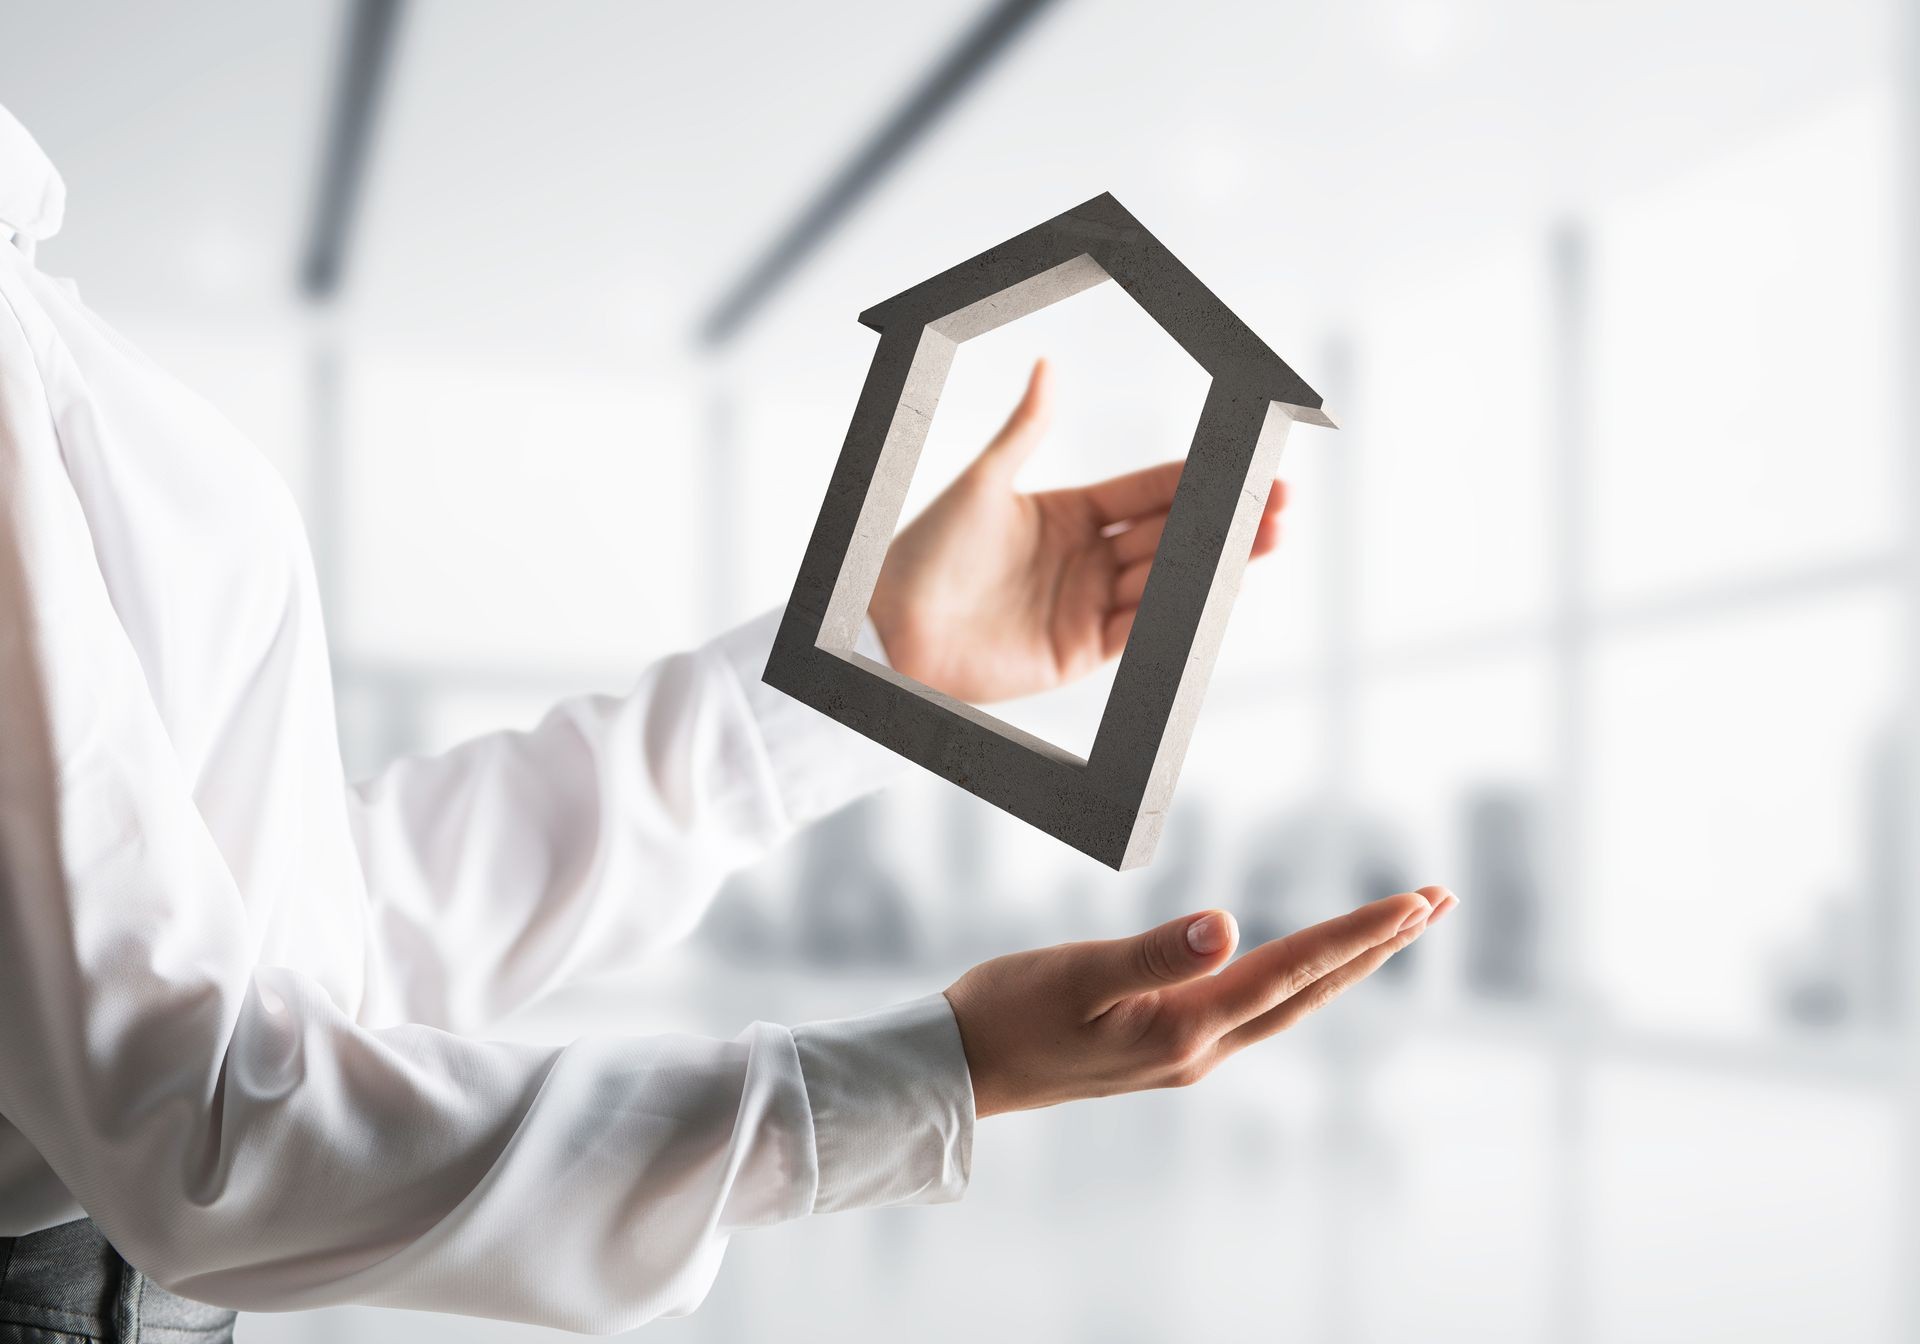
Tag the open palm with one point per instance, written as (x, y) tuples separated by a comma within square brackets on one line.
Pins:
[(991, 594)]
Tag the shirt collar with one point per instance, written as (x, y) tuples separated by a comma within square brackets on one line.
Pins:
[(32, 196)]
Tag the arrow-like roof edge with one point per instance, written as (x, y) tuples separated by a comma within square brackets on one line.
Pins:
[(1142, 265)]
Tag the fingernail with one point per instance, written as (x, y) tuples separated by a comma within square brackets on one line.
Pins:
[(1445, 907), (1418, 917), (1209, 933)]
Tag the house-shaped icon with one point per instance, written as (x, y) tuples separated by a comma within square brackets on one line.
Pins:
[(1112, 804)]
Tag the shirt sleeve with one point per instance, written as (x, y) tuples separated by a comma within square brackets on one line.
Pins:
[(522, 861), (246, 1141), (892, 1106)]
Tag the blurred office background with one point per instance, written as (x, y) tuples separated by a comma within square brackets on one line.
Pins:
[(1602, 607)]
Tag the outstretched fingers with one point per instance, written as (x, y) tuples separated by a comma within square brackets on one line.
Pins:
[(1267, 535), (1273, 973), (1266, 538), (1317, 994), (1139, 541), (1135, 544), (1138, 494), (1130, 584)]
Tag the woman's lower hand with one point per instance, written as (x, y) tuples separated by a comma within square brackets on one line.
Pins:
[(1098, 1018)]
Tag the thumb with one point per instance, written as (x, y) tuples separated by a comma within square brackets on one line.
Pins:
[(1024, 429), (1180, 950)]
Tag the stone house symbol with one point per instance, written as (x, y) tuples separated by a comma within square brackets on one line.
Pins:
[(1112, 804)]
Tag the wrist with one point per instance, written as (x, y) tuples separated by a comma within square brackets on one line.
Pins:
[(987, 1098)]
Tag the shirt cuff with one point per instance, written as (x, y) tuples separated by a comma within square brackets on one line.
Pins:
[(817, 765), (892, 1105)]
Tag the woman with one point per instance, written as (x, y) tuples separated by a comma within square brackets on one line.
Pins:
[(242, 1003)]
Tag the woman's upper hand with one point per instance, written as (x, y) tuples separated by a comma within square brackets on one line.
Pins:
[(1098, 1018), (991, 594)]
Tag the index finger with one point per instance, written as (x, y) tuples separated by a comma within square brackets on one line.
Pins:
[(1317, 995), (1274, 972), (1149, 490)]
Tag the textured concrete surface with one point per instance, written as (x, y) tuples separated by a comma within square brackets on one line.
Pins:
[(1111, 805)]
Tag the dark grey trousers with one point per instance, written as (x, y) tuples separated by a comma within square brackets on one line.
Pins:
[(67, 1284)]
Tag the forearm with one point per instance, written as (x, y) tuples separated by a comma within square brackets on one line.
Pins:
[(587, 1188), (522, 861)]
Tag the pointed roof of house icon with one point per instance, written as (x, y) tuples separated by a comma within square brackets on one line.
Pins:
[(1095, 241)]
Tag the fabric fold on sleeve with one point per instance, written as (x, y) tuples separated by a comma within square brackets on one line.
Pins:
[(892, 1105), (518, 862), (814, 765)]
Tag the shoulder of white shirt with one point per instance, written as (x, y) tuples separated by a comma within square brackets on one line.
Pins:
[(33, 198)]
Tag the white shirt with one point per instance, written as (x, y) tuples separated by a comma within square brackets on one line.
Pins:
[(236, 995)]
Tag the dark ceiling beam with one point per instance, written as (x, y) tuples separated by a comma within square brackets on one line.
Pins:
[(959, 70), (365, 59)]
